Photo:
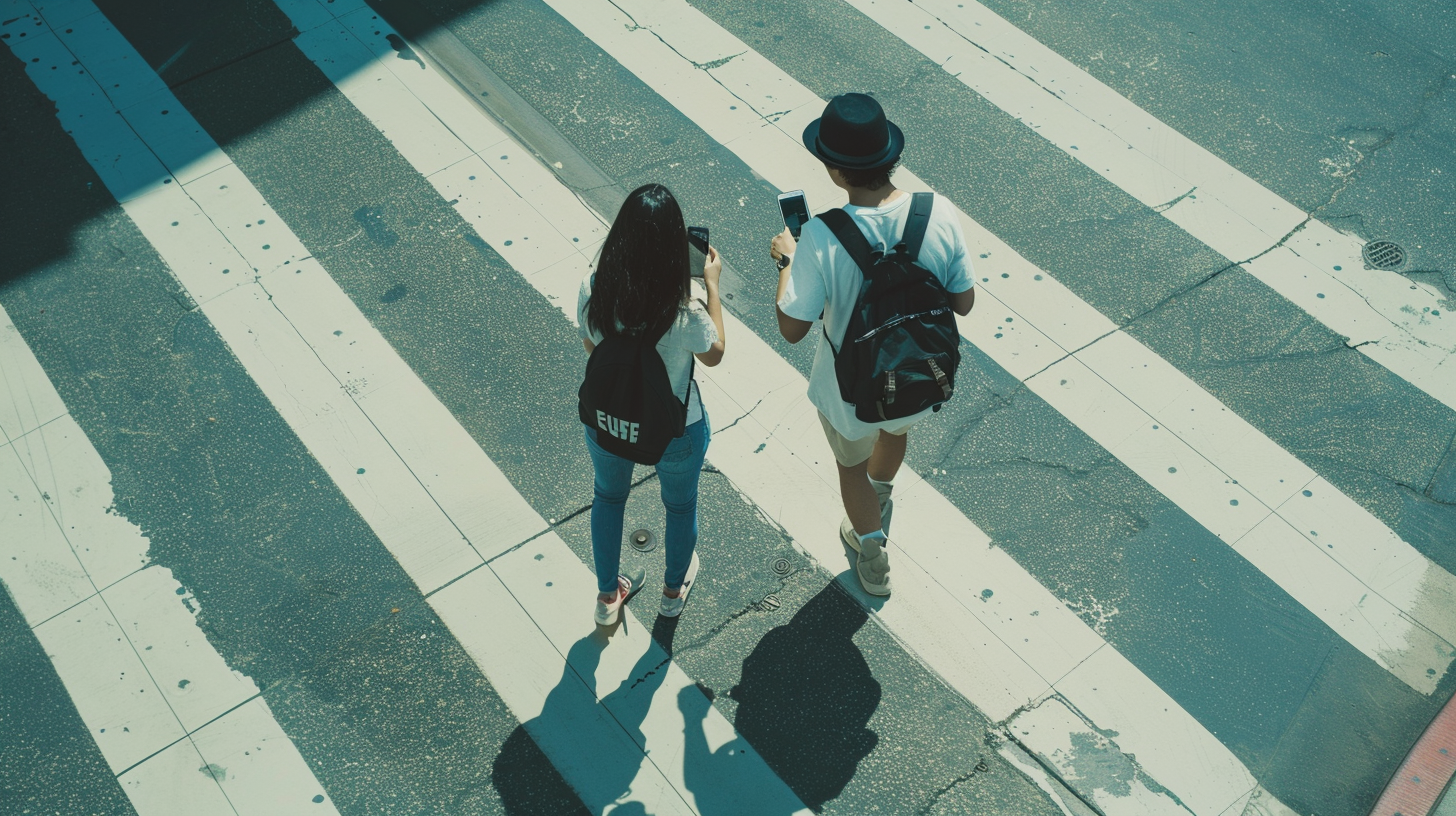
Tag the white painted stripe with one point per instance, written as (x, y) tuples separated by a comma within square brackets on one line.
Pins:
[(1319, 268), (142, 675), (26, 399), (1231, 476), (1003, 651), (413, 473)]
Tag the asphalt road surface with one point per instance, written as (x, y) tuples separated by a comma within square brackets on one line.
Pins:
[(294, 501)]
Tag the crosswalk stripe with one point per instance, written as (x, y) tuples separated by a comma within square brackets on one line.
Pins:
[(789, 478), (413, 473), (1379, 593), (160, 702), (1388, 316)]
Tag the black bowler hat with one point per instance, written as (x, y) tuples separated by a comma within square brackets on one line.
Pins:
[(853, 134)]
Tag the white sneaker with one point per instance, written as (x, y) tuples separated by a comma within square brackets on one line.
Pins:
[(672, 607), (872, 564), (627, 586)]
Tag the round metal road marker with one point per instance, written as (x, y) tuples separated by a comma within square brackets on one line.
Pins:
[(642, 540)]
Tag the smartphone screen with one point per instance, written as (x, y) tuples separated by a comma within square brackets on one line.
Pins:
[(697, 250), (795, 210)]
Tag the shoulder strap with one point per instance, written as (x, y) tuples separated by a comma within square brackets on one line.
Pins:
[(692, 369), (849, 236), (916, 224), (692, 381)]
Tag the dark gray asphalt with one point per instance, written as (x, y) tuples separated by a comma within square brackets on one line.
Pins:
[(496, 352), (1230, 646), (1296, 95), (48, 761), (296, 591)]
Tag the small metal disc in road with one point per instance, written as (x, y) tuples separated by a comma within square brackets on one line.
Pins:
[(1384, 255), (782, 566), (642, 540), (771, 602)]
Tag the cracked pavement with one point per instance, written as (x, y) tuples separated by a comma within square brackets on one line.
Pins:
[(803, 667)]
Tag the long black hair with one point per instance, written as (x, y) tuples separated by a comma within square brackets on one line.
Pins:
[(642, 277)]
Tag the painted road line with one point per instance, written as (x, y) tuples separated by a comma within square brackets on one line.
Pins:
[(140, 672), (541, 585), (1004, 654), (484, 190), (363, 413), (1399, 323), (26, 399), (625, 40), (482, 198), (1412, 619)]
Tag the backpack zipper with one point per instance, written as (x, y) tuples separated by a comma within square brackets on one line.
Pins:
[(897, 321)]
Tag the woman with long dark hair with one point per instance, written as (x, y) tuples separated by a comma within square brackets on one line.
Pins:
[(641, 288)]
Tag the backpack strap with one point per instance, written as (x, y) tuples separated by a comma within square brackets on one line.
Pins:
[(848, 234), (692, 382), (916, 224), (849, 237)]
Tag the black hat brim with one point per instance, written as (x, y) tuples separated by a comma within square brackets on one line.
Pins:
[(891, 152)]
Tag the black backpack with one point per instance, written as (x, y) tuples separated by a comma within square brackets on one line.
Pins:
[(628, 398), (901, 348)]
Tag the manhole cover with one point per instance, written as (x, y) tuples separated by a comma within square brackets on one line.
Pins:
[(782, 566), (642, 540), (1384, 255)]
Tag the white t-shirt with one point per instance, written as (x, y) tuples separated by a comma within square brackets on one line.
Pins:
[(824, 277), (693, 333)]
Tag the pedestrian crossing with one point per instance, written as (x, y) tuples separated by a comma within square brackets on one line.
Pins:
[(1321, 270), (799, 499), (1063, 696), (1240, 485), (116, 628), (429, 522)]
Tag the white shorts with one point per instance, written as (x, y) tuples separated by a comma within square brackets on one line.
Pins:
[(851, 452)]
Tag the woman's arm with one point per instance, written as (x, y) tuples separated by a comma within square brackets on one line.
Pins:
[(711, 272)]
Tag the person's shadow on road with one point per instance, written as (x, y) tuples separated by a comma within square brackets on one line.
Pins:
[(526, 781), (805, 699)]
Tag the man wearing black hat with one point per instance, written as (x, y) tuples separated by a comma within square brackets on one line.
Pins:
[(859, 148)]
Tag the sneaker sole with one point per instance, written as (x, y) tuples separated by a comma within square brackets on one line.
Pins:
[(877, 591)]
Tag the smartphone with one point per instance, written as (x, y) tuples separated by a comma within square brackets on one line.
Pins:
[(796, 211), (697, 250)]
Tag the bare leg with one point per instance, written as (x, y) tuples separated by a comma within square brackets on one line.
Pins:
[(885, 460), (861, 503)]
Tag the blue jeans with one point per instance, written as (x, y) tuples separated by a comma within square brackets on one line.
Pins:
[(677, 474)]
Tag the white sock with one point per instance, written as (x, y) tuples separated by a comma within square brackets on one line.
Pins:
[(886, 486), (880, 534)]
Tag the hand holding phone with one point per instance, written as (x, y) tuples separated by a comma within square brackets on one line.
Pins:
[(697, 250), (712, 269), (795, 209)]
